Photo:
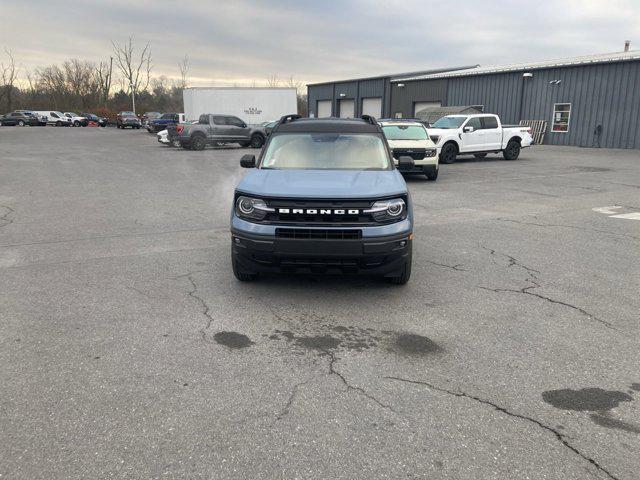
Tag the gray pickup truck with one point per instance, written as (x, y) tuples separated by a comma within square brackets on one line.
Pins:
[(215, 130)]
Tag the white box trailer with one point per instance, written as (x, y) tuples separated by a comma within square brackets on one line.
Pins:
[(252, 105)]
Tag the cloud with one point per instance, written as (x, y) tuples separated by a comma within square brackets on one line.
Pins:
[(244, 40)]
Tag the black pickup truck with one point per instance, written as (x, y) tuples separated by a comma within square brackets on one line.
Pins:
[(214, 130)]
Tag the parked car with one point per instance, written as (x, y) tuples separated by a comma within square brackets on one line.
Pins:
[(76, 120), (53, 117), (215, 129), (410, 138), (95, 119), (19, 119), (149, 116), (42, 120), (324, 197), (164, 121), (127, 119), (478, 135)]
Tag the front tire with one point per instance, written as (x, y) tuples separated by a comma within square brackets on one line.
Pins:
[(405, 274), (198, 142), (240, 275), (512, 152), (257, 141), (76, 123), (175, 143), (432, 176), (448, 153), (20, 123)]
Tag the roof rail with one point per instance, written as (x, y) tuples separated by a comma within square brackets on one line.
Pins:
[(369, 119), (288, 118)]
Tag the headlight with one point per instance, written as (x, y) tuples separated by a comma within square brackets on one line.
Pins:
[(430, 152), (252, 208), (388, 210)]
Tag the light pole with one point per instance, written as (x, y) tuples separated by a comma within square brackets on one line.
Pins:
[(133, 97)]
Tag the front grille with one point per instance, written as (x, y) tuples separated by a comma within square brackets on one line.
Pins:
[(415, 153), (297, 218), (318, 234)]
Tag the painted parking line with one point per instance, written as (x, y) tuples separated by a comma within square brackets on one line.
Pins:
[(628, 216), (613, 211)]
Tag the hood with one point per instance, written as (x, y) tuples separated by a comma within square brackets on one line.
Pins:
[(330, 184)]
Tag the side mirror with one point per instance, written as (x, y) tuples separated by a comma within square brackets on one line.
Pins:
[(467, 129), (244, 125), (248, 161), (405, 163)]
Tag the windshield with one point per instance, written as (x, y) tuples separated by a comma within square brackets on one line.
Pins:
[(72, 114), (326, 151), (449, 122), (404, 132)]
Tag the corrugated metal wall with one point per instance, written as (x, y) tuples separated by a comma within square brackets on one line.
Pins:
[(605, 94), (356, 90), (403, 98), (318, 92)]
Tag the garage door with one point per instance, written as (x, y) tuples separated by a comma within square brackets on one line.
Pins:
[(347, 108), (422, 105), (372, 106), (324, 108)]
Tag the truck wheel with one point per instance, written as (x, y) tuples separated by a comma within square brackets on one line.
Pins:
[(480, 155), (432, 176), (76, 123), (405, 275), (243, 277), (256, 140), (198, 142), (175, 143), (448, 153), (512, 151), (21, 123)]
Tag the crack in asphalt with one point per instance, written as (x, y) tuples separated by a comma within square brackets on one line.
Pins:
[(457, 267), (287, 407), (533, 278), (205, 307), (361, 391), (566, 226), (5, 218), (559, 436)]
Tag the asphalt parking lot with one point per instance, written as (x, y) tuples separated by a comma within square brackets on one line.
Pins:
[(129, 350)]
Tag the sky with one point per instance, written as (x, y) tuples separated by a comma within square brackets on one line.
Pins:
[(241, 41)]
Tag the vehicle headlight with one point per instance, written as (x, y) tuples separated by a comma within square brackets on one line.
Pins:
[(430, 152), (388, 210), (252, 208)]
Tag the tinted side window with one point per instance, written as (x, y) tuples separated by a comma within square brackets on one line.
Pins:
[(490, 122), (236, 122), (475, 123), (219, 120), (203, 120)]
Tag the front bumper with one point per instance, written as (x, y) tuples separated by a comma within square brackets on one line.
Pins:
[(384, 255)]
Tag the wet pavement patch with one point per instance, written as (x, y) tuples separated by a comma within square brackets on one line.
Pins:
[(232, 339), (585, 399), (324, 342), (416, 344), (606, 421)]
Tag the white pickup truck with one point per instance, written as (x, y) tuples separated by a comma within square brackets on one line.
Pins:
[(477, 135)]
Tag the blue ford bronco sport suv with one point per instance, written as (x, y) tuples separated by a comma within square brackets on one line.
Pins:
[(325, 197)]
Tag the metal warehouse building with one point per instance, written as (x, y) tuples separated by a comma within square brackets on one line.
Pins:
[(586, 101)]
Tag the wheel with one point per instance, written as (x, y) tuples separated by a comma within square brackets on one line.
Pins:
[(58, 123), (479, 155), (405, 275), (175, 143), (256, 140), (431, 175), (76, 123), (198, 142), (448, 153), (20, 123), (137, 128), (512, 151), (243, 277)]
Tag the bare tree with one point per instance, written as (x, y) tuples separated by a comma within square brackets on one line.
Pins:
[(104, 78), (8, 76), (184, 71), (135, 70), (272, 80), (291, 83)]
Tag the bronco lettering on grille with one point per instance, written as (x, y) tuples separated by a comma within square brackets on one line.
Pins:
[(321, 211)]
